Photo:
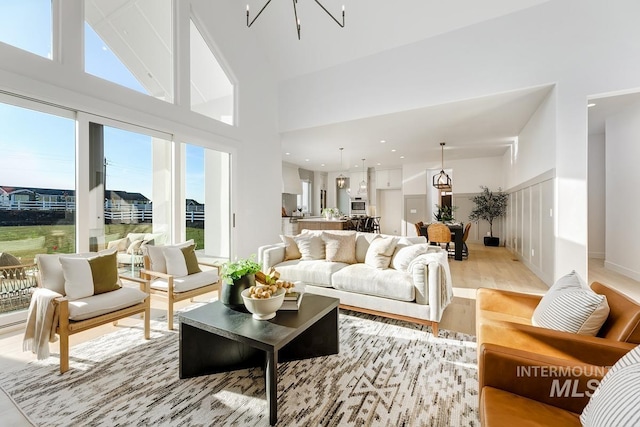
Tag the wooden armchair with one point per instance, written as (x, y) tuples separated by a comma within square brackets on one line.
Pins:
[(80, 314), (178, 287)]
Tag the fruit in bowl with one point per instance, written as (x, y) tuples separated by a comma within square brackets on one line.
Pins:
[(261, 302)]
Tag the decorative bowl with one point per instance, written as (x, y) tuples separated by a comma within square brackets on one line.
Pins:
[(263, 309)]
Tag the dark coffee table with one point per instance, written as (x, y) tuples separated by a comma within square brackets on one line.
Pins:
[(214, 338)]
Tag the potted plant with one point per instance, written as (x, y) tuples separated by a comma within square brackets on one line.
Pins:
[(236, 277), (489, 206), (444, 213)]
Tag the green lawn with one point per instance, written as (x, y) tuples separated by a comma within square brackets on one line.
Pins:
[(26, 241)]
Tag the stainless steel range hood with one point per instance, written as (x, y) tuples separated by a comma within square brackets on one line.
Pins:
[(291, 183)]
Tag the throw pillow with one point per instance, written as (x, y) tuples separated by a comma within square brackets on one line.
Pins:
[(380, 251), (311, 247), (92, 275), (134, 247), (157, 261), (571, 306), (340, 247), (291, 250), (617, 398), (181, 261), (403, 256), (121, 245)]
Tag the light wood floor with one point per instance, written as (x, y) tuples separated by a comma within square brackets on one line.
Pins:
[(485, 267)]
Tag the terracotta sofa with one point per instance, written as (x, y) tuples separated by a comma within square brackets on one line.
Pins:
[(507, 341), (419, 294)]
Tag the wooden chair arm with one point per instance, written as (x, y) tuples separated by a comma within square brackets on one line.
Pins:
[(156, 274), (145, 285)]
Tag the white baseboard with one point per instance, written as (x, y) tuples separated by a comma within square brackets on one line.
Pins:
[(596, 255), (635, 275), (13, 320)]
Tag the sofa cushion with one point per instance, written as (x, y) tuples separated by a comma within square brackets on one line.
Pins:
[(187, 283), (96, 305), (380, 251), (157, 260), (340, 247), (617, 398), (311, 247), (291, 250), (91, 275), (134, 246), (363, 279), (403, 256), (318, 272), (363, 240), (571, 306)]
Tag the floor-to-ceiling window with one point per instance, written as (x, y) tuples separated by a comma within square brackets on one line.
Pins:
[(27, 24)]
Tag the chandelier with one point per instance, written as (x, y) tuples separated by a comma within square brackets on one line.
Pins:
[(295, 14), (362, 189), (341, 180), (442, 181)]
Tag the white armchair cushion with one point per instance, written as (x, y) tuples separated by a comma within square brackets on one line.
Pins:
[(187, 283), (96, 305), (90, 275), (157, 261), (50, 272)]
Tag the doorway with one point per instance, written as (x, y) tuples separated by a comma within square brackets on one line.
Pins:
[(415, 210)]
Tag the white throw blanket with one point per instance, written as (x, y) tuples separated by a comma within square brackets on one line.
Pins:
[(446, 286), (41, 323)]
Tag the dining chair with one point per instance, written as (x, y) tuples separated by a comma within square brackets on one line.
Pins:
[(465, 248), (418, 226), (439, 234)]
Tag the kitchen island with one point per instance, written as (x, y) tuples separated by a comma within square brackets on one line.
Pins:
[(322, 224)]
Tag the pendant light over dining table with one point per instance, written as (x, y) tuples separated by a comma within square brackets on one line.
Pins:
[(341, 180), (442, 181)]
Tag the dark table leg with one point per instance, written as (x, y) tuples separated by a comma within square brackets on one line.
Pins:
[(459, 244), (271, 382)]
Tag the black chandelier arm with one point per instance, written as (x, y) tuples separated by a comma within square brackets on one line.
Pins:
[(329, 13), (249, 24), (295, 13)]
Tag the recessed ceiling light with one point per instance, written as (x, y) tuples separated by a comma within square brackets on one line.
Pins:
[(378, 164), (287, 154), (382, 141), (393, 151), (322, 164), (591, 104), (306, 160), (402, 157)]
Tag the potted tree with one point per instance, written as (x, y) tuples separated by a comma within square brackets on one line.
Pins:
[(489, 206), (236, 277)]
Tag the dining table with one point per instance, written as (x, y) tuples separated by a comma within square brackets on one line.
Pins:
[(457, 230)]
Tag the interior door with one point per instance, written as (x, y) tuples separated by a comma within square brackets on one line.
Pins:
[(415, 210)]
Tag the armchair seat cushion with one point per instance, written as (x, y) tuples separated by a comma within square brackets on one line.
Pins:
[(501, 408), (96, 305), (187, 283), (363, 279)]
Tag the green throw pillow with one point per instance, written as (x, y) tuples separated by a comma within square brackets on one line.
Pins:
[(190, 259), (104, 270)]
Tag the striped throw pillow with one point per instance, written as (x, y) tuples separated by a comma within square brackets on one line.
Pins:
[(571, 306), (616, 400)]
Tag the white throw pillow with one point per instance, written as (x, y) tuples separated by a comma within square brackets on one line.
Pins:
[(157, 261), (291, 250), (311, 247), (571, 306), (174, 259), (403, 256), (616, 400), (85, 276), (78, 279), (380, 251), (340, 247)]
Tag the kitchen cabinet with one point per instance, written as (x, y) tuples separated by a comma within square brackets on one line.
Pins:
[(388, 179), (290, 228)]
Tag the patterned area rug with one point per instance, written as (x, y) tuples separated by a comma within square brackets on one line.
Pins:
[(388, 373)]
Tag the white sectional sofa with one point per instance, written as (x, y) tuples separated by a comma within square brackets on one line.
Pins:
[(392, 276)]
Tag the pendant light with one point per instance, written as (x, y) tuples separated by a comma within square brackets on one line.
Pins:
[(442, 181), (341, 180), (363, 184)]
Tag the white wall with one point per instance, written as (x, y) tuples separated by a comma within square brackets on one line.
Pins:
[(622, 177), (503, 54), (597, 193)]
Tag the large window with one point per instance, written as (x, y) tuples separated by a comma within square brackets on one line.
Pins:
[(37, 182), (26, 24), (131, 43), (211, 90), (194, 195)]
